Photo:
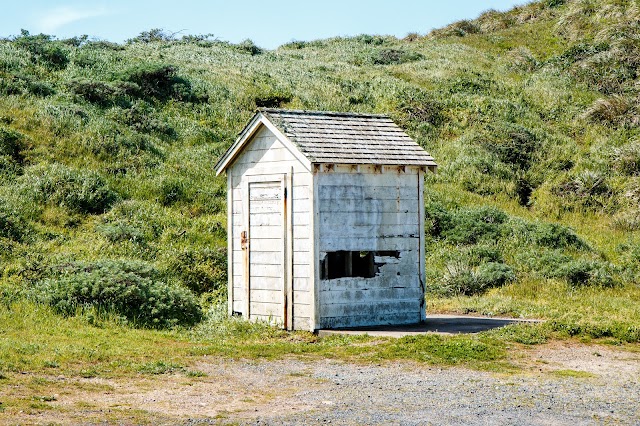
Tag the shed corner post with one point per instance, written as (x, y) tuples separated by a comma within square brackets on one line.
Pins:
[(315, 251), (230, 242), (422, 261)]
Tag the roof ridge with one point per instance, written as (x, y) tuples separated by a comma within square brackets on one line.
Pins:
[(323, 113)]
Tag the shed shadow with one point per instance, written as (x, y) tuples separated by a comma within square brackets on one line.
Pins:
[(440, 324)]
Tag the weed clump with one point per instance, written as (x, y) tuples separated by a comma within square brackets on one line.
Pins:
[(79, 191), (463, 279), (202, 270), (395, 57), (12, 225), (133, 290)]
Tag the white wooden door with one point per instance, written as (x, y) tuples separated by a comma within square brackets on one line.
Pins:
[(267, 230)]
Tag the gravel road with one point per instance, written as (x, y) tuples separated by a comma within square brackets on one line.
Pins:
[(606, 391), (377, 395), (561, 383)]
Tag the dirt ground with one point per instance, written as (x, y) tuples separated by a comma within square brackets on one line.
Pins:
[(590, 378)]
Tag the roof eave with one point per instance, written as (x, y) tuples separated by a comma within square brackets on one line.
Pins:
[(258, 120)]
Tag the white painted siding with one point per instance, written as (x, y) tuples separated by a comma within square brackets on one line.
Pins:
[(265, 155), (367, 209)]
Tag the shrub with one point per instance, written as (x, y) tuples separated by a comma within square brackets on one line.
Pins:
[(395, 56), (134, 290), (471, 225), (626, 159), (513, 144), (462, 279), (121, 231), (556, 236), (43, 49), (248, 46), (12, 144), (172, 190), (157, 82), (97, 92), (419, 107), (588, 189), (141, 118), (586, 273), (202, 270), (12, 225), (80, 191)]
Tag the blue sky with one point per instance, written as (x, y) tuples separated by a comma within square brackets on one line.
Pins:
[(268, 23)]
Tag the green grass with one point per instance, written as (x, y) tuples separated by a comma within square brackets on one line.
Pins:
[(107, 153)]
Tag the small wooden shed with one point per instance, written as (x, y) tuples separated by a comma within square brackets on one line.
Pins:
[(325, 220)]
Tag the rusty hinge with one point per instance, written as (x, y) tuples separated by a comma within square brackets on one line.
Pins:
[(285, 193), (243, 240)]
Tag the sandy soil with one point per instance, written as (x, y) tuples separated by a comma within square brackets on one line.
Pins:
[(597, 384)]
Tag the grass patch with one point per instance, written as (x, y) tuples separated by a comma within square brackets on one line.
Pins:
[(573, 374)]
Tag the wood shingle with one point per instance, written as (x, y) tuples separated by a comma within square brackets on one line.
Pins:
[(348, 138)]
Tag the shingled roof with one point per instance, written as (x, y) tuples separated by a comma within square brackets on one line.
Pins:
[(341, 138)]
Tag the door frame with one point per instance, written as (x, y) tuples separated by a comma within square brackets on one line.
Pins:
[(285, 181)]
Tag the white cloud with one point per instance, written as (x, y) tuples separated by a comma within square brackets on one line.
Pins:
[(57, 18)]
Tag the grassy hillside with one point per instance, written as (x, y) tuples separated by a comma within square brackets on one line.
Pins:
[(107, 153)]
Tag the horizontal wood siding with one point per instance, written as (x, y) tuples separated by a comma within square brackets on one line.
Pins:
[(365, 209), (265, 155)]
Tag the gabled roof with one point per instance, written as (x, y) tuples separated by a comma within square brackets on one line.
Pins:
[(336, 138)]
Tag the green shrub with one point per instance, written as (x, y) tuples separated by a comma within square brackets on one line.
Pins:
[(395, 56), (141, 117), (157, 82), (586, 273), (626, 159), (513, 144), (471, 225), (121, 231), (12, 225), (97, 92), (172, 190), (43, 49), (463, 279), (80, 191), (12, 144), (134, 290), (201, 270), (553, 235), (588, 189), (248, 46)]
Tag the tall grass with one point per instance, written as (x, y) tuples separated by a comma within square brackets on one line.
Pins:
[(107, 151)]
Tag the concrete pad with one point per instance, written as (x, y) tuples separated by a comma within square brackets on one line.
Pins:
[(436, 323)]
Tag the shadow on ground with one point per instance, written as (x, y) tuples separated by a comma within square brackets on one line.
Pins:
[(441, 324)]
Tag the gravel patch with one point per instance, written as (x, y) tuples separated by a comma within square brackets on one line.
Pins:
[(418, 395)]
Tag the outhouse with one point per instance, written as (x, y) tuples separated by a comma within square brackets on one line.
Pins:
[(325, 220)]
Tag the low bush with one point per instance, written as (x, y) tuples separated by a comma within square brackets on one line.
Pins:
[(555, 236), (157, 82), (513, 144), (97, 92), (248, 46), (471, 225), (80, 191), (133, 290), (44, 50), (394, 57), (142, 117), (201, 270), (116, 232), (462, 279), (626, 159), (12, 144), (172, 190), (12, 225)]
